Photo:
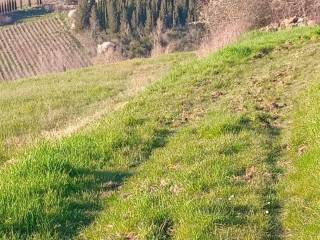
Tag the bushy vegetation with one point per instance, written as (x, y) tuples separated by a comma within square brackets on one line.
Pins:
[(135, 25), (226, 20)]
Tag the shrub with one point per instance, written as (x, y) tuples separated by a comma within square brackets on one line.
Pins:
[(288, 8), (225, 20)]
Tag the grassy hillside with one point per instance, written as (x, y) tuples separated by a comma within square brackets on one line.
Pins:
[(60, 104), (198, 155)]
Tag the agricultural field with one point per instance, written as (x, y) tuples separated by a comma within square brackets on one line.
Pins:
[(39, 47), (222, 147)]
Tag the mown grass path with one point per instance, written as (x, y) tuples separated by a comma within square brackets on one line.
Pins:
[(299, 186), (196, 156), (218, 178)]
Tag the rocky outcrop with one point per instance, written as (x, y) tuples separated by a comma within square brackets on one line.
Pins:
[(109, 52), (72, 17), (106, 47), (72, 14), (289, 23)]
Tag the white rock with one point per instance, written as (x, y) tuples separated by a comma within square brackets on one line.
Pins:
[(73, 26), (72, 14), (104, 47)]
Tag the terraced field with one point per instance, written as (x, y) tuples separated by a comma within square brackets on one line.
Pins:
[(39, 47)]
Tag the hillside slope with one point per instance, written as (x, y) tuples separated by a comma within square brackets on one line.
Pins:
[(60, 104), (38, 47), (205, 153)]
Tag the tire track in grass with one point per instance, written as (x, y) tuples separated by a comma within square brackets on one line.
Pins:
[(274, 105), (148, 207)]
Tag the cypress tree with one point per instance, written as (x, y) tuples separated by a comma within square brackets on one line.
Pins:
[(113, 16), (163, 12), (124, 18), (94, 19), (83, 14), (149, 19), (101, 14), (142, 14)]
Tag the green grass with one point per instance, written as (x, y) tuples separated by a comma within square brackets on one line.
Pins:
[(47, 107), (195, 156), (300, 187)]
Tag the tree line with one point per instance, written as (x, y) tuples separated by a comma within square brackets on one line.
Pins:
[(116, 16), (8, 6), (12, 5)]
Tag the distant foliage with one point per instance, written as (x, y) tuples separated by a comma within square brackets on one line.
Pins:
[(138, 15), (83, 14), (8, 6)]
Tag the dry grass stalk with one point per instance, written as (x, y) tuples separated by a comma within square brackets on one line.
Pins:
[(226, 20)]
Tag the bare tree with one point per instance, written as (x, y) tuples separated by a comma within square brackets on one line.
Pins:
[(226, 20), (288, 8)]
